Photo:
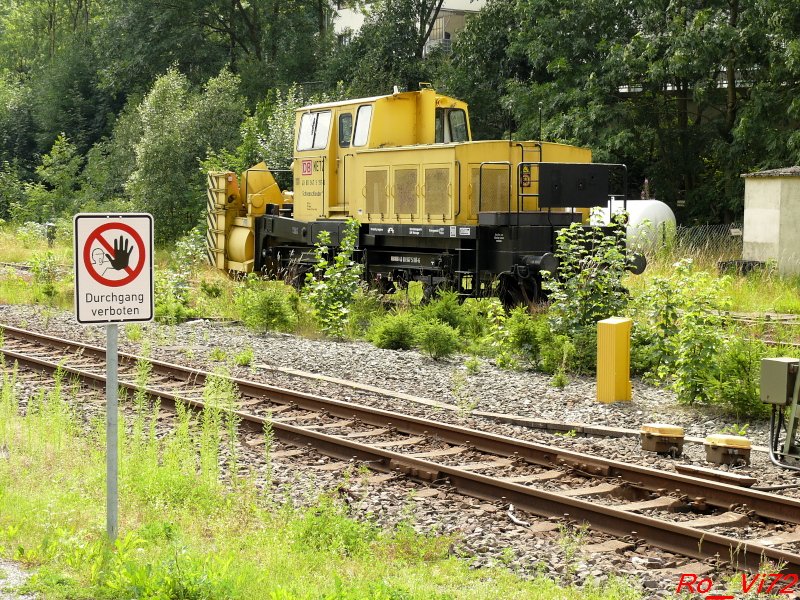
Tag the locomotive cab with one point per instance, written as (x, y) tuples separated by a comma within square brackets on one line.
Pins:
[(331, 137), (434, 205)]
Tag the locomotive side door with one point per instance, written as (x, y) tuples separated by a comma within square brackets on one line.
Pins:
[(340, 202)]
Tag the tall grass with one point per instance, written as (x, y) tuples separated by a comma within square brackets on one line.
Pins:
[(761, 290), (706, 245)]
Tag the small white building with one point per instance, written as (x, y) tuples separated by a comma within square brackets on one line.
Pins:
[(772, 218), (451, 19)]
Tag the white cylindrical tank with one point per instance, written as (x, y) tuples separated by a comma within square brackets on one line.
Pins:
[(651, 223)]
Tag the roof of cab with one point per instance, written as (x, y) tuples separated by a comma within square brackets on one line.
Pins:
[(369, 100)]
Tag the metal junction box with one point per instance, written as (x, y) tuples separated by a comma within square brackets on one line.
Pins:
[(778, 377)]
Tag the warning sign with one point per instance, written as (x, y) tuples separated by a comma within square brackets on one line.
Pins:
[(113, 268), (526, 176)]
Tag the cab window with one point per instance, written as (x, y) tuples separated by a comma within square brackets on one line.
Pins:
[(363, 117), (458, 125), (345, 129), (314, 131), (450, 126)]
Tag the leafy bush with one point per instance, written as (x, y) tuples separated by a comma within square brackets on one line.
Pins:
[(365, 309), (331, 288), (445, 308), (588, 286), (737, 382), (437, 339), (266, 305), (584, 359), (45, 274), (481, 315), (190, 250), (681, 331), (525, 333), (394, 331), (698, 346), (172, 298), (557, 354), (483, 325), (644, 353)]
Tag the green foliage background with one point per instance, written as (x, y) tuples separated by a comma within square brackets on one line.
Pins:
[(112, 104)]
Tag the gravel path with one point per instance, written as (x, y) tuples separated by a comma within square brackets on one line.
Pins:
[(486, 529), (11, 577)]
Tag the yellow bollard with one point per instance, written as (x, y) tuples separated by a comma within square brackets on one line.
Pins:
[(614, 359)]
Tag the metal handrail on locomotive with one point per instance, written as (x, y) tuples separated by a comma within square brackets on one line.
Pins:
[(433, 204)]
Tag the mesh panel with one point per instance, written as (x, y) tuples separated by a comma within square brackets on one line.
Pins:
[(377, 199), (436, 196), (405, 191), (494, 195)]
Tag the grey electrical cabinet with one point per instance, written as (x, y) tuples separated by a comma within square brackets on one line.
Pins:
[(778, 377)]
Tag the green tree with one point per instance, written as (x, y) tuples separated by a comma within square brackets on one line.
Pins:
[(388, 49), (111, 162), (68, 97), (180, 126), (55, 194), (482, 64), (688, 95), (12, 190), (17, 131)]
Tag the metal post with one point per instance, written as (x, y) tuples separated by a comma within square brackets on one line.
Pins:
[(112, 457)]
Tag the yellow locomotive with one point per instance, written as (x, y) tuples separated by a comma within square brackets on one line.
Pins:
[(434, 205)]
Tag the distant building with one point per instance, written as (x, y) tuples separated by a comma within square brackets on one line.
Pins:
[(451, 19), (771, 217)]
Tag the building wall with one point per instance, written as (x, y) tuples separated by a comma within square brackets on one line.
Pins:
[(772, 221), (789, 237)]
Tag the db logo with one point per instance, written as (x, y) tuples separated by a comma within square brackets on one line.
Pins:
[(306, 167), (760, 583)]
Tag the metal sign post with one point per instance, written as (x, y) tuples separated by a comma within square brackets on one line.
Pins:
[(113, 284), (112, 430)]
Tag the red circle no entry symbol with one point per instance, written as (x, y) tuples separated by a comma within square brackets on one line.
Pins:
[(110, 251)]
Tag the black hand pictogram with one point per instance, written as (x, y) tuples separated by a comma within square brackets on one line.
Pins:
[(122, 254)]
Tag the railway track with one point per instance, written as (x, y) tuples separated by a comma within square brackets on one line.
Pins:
[(767, 319), (695, 517)]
